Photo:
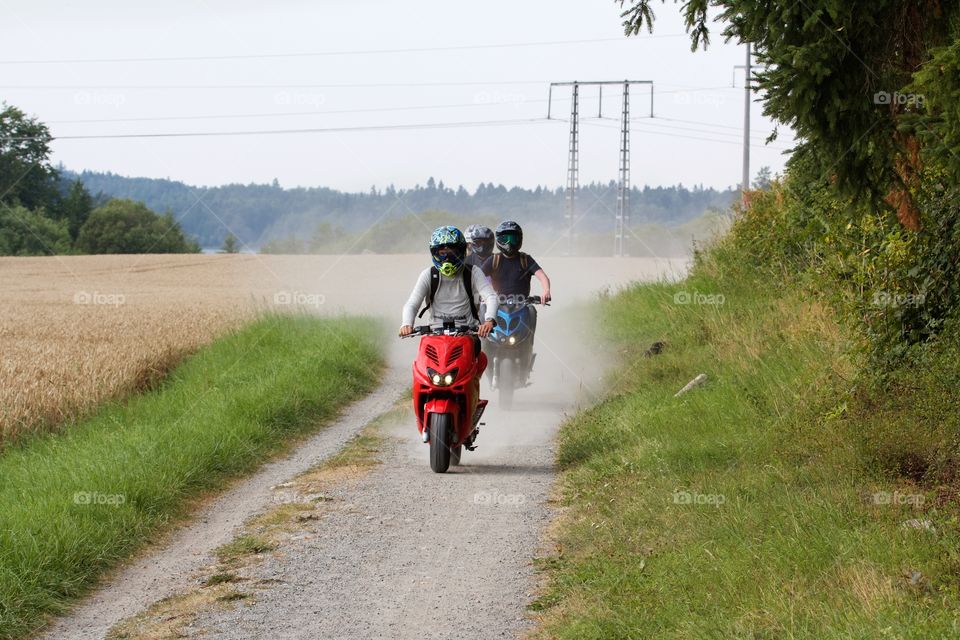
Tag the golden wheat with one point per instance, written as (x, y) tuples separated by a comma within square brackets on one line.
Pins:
[(75, 331)]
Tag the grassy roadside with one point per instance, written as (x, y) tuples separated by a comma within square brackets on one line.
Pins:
[(764, 504), (74, 504)]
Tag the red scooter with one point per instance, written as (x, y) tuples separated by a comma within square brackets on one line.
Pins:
[(446, 392)]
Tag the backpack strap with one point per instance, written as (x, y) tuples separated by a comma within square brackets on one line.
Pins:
[(524, 262), (468, 285), (434, 284)]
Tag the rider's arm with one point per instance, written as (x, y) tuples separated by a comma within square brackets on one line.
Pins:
[(417, 296), (481, 284), (544, 283)]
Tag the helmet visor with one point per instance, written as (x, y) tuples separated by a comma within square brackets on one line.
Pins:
[(482, 246), (508, 237), (452, 251)]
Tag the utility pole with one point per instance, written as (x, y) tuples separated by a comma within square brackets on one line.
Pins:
[(622, 215), (748, 76), (745, 184)]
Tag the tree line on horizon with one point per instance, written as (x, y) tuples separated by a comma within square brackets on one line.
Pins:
[(44, 212), (265, 214)]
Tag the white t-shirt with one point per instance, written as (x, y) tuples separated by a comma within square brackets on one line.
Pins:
[(450, 301)]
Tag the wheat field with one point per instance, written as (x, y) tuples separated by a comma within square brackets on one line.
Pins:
[(77, 330)]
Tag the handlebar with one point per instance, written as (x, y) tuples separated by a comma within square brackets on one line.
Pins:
[(536, 300), (427, 330)]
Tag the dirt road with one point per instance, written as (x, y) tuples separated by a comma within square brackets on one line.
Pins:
[(407, 553)]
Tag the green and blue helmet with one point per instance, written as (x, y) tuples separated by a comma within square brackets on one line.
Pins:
[(448, 238)]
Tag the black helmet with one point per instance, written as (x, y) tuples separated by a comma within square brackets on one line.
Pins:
[(509, 237), (480, 240)]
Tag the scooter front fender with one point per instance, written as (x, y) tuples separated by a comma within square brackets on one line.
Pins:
[(440, 405)]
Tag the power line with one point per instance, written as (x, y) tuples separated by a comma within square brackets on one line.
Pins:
[(315, 54), (689, 137), (189, 134), (695, 130), (361, 85), (695, 89), (148, 87), (293, 113), (706, 124)]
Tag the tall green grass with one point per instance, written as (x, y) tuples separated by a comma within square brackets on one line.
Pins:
[(75, 504), (748, 507)]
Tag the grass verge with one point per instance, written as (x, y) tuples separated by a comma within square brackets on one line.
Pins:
[(74, 504), (757, 505)]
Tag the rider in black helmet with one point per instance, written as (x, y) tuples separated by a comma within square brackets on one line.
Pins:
[(510, 271)]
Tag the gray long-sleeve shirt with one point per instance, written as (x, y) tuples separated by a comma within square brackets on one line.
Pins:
[(450, 301)]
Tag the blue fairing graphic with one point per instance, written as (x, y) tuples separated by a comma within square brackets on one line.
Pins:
[(509, 323)]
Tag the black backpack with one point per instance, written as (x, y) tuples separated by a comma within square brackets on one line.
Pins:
[(467, 274)]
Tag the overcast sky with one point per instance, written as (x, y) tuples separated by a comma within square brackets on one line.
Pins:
[(470, 81)]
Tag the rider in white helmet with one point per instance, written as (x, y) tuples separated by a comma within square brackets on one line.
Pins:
[(479, 244)]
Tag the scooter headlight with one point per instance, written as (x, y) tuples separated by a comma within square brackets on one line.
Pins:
[(442, 379), (512, 340)]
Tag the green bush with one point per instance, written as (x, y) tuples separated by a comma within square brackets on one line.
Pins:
[(29, 233), (894, 287), (127, 226)]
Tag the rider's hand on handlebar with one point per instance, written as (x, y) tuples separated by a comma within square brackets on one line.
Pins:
[(546, 297), (405, 330), (484, 329)]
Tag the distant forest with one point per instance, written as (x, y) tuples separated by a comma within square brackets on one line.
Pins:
[(258, 214)]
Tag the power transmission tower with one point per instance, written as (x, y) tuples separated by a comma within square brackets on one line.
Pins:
[(622, 215), (573, 167), (623, 192)]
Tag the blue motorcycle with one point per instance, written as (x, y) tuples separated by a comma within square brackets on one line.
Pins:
[(509, 347)]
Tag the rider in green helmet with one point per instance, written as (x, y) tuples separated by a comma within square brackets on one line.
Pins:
[(445, 287)]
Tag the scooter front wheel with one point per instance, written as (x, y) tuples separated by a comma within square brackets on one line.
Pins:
[(441, 439)]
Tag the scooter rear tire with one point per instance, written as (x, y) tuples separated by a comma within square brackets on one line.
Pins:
[(507, 382)]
